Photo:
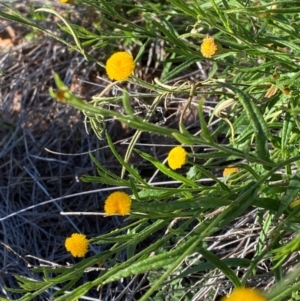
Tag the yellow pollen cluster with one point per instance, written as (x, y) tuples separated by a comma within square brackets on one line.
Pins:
[(177, 157), (230, 170), (120, 66), (77, 244), (210, 47), (117, 203), (245, 294)]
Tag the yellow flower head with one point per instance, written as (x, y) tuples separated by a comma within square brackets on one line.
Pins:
[(177, 157), (230, 170), (245, 294), (117, 203), (60, 95), (77, 244), (120, 66), (66, 1), (286, 91), (210, 47)]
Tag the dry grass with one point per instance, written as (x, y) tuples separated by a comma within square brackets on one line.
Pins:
[(43, 150)]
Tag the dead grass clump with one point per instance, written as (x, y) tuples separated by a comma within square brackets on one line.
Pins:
[(32, 124)]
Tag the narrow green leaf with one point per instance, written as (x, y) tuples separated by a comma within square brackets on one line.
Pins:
[(187, 8), (30, 285), (170, 74), (210, 175), (243, 201), (76, 293), (257, 121), (205, 134), (126, 103), (103, 179), (286, 131), (102, 169), (150, 264), (290, 195), (222, 16), (70, 285), (190, 246), (262, 236), (123, 163), (202, 267), (167, 171), (218, 263)]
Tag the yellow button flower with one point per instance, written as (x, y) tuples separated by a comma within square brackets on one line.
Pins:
[(120, 66), (230, 170), (286, 91), (117, 203), (177, 157), (60, 95), (66, 1), (244, 294), (77, 244), (210, 47)]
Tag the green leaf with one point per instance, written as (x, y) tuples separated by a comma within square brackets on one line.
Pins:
[(290, 195), (126, 103), (256, 120), (76, 293), (131, 170), (150, 264), (190, 246), (286, 131), (205, 134), (167, 171), (218, 263), (183, 66), (203, 267), (187, 7), (30, 285), (132, 238)]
